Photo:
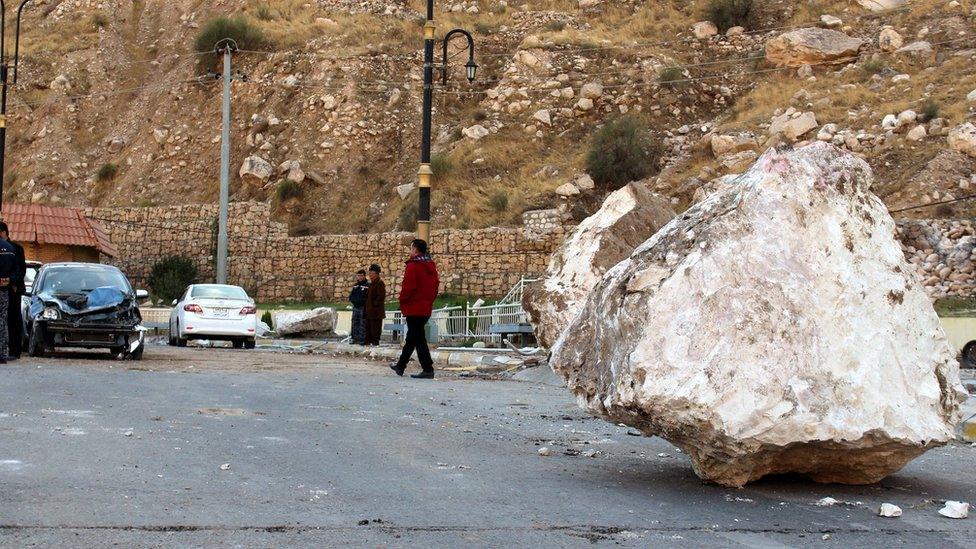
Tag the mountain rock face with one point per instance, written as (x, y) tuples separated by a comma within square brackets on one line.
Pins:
[(629, 216), (775, 327)]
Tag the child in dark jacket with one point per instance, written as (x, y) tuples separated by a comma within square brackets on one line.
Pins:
[(358, 299)]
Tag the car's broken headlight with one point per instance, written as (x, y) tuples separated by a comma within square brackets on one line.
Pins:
[(51, 313)]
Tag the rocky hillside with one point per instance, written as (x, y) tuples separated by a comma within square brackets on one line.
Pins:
[(113, 106)]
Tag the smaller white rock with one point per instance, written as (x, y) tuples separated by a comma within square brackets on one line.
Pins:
[(826, 502), (545, 451), (889, 510), (224, 466), (971, 97), (704, 29), (955, 510), (567, 190), (830, 21), (917, 133)]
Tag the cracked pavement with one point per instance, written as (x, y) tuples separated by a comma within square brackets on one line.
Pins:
[(321, 450)]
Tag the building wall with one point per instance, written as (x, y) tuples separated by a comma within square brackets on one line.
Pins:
[(54, 253), (275, 267)]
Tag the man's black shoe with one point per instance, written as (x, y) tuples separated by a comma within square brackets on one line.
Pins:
[(396, 368), (426, 374)]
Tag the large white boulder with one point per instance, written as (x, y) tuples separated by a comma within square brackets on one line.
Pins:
[(882, 5), (812, 46), (629, 216), (774, 327), (312, 322)]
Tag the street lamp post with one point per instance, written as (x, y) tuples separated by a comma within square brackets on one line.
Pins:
[(4, 73), (425, 172)]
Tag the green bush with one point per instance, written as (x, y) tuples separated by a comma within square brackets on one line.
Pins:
[(668, 77), (930, 111), (99, 20), (620, 152), (266, 318), (731, 13), (263, 12), (407, 220), (873, 66), (170, 276), (106, 172), (499, 201), (555, 26), (247, 36), (287, 190), (442, 165)]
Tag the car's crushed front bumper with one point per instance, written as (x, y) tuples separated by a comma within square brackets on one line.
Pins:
[(92, 335)]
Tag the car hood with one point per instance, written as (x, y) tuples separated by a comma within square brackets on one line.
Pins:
[(106, 304)]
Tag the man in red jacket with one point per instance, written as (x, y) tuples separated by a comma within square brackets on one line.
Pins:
[(417, 294)]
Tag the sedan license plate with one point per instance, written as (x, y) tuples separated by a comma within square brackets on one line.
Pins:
[(221, 313)]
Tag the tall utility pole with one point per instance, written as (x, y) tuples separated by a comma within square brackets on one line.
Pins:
[(4, 82), (226, 47), (426, 174)]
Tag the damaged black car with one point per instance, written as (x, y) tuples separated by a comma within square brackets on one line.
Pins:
[(84, 305)]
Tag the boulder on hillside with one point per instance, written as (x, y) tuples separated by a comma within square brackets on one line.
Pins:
[(256, 167), (812, 46), (628, 217), (963, 139), (314, 322), (756, 331), (882, 5), (704, 29)]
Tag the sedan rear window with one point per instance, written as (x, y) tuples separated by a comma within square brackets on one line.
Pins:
[(219, 292)]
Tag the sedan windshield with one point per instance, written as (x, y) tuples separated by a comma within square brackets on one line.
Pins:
[(82, 279), (219, 292)]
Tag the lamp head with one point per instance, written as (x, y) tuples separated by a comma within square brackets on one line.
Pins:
[(471, 68)]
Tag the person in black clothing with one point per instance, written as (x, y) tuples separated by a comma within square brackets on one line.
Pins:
[(15, 322), (358, 299), (8, 277)]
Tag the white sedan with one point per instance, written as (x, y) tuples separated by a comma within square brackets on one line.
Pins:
[(213, 312)]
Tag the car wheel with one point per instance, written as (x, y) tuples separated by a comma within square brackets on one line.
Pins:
[(238, 343), (172, 339), (35, 343), (180, 342), (249, 343), (969, 355)]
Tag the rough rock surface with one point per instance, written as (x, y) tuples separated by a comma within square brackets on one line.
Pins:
[(629, 216), (812, 46), (963, 139), (319, 321), (774, 327)]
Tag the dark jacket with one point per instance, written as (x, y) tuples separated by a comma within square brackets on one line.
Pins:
[(8, 262), (21, 267), (376, 300), (419, 289), (358, 294)]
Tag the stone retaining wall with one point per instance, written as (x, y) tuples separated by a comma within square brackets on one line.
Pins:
[(275, 267), (943, 252)]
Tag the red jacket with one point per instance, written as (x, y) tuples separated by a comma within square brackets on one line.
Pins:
[(419, 288)]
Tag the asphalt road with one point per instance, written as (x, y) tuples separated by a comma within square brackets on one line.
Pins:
[(324, 451)]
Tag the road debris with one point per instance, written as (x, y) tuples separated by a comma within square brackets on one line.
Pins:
[(826, 502), (955, 510), (224, 466), (889, 510), (545, 451)]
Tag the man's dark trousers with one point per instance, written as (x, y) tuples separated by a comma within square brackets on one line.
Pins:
[(15, 324), (416, 340)]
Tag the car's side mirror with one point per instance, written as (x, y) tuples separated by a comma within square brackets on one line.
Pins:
[(142, 295), (174, 303)]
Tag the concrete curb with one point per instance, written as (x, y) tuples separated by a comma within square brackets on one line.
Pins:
[(457, 359)]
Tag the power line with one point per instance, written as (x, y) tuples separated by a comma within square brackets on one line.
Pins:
[(932, 204)]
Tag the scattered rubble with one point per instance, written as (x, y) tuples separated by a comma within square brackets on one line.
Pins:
[(955, 510), (889, 510)]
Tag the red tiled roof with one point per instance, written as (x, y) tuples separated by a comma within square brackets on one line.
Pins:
[(51, 225)]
